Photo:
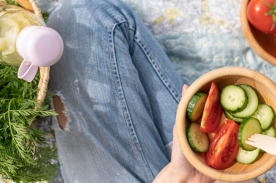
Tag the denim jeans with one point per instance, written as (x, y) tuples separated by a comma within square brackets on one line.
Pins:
[(120, 93)]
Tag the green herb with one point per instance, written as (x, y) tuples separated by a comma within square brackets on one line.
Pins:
[(24, 155), (45, 17), (12, 2)]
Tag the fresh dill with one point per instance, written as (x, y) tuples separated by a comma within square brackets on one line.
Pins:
[(24, 154)]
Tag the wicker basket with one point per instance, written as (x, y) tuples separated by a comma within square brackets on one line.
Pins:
[(31, 6)]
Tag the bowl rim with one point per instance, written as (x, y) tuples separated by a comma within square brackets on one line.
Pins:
[(250, 37), (180, 123)]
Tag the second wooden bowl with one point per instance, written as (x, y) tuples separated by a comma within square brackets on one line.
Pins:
[(265, 89), (263, 44)]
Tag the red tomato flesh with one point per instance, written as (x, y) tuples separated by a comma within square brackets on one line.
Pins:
[(256, 11), (212, 111), (199, 120), (224, 146)]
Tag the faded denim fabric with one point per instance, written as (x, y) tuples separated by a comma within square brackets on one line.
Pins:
[(120, 92)]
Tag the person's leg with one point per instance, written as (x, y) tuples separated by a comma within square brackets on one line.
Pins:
[(119, 90)]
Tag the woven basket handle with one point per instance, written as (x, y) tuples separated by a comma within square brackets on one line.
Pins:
[(30, 5)]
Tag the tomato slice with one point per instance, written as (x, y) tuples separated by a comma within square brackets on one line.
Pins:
[(199, 120), (224, 146), (212, 111)]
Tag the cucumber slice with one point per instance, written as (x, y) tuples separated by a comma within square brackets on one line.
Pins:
[(196, 106), (247, 157), (270, 132), (265, 115), (252, 104), (198, 141), (233, 98), (229, 116), (248, 127)]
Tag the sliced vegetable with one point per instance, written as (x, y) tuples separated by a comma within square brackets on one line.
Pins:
[(270, 132), (198, 141), (229, 116), (199, 120), (224, 146), (248, 127), (252, 104), (265, 115), (241, 106), (212, 111), (233, 98), (196, 106), (247, 157)]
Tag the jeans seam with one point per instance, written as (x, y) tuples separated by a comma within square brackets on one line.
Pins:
[(158, 69), (126, 114)]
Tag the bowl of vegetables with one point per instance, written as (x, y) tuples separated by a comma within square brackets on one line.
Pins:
[(258, 24), (218, 113)]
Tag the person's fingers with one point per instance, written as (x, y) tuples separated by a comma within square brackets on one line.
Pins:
[(176, 150), (185, 88), (178, 160)]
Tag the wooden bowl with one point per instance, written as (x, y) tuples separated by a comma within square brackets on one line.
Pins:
[(263, 44), (265, 89)]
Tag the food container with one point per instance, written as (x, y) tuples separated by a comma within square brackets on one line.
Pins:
[(12, 21), (263, 44), (265, 89), (44, 71)]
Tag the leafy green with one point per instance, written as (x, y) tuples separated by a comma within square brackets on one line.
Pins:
[(24, 154), (45, 17), (12, 2)]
